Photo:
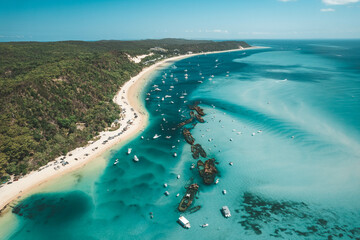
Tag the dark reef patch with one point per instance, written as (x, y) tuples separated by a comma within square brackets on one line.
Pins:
[(49, 208), (289, 218)]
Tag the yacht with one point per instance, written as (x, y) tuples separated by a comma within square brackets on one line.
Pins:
[(225, 211), (184, 222)]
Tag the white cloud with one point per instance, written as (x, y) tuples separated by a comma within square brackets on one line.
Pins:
[(327, 10), (217, 31), (339, 2)]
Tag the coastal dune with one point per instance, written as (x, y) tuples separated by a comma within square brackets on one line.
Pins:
[(135, 119)]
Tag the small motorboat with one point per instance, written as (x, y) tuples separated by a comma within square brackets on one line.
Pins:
[(136, 159), (224, 192), (116, 162), (156, 136), (205, 225), (129, 151), (175, 154)]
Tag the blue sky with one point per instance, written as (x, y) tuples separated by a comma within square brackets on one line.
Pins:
[(53, 20)]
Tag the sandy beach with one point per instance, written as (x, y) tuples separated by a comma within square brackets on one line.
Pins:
[(134, 119)]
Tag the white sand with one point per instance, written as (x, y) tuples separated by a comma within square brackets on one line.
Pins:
[(127, 97)]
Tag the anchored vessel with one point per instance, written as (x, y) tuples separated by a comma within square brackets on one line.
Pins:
[(187, 200), (184, 222), (225, 211)]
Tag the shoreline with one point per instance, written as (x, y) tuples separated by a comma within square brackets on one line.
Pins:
[(128, 98)]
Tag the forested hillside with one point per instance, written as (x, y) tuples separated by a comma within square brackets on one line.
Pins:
[(56, 96)]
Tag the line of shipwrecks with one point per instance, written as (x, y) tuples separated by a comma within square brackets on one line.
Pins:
[(207, 170)]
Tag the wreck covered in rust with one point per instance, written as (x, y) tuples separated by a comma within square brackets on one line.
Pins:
[(188, 198), (197, 151), (198, 109), (188, 137), (207, 170)]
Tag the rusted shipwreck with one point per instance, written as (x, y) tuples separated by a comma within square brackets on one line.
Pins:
[(188, 198), (207, 170), (197, 151), (198, 109), (188, 137)]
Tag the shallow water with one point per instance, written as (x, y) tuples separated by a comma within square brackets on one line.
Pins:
[(296, 178)]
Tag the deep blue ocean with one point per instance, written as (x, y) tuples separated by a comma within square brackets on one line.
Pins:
[(287, 117)]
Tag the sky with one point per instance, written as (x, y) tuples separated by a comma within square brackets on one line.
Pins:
[(55, 20)]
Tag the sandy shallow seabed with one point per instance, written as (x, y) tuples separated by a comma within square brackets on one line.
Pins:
[(127, 97)]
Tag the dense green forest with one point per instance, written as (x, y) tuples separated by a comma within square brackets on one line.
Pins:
[(48, 89)]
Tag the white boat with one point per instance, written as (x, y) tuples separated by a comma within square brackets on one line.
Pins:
[(129, 151), (184, 222), (166, 193), (225, 211), (217, 181), (175, 154), (168, 137), (178, 176), (116, 161), (136, 159), (224, 192), (165, 185), (205, 225), (156, 136)]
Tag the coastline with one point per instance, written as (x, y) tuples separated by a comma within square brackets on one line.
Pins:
[(128, 98)]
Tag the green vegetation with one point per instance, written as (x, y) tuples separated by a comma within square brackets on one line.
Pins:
[(47, 90)]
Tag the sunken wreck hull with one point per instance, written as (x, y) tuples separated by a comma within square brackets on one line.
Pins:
[(197, 151), (199, 118), (188, 137), (207, 170), (198, 109), (188, 198)]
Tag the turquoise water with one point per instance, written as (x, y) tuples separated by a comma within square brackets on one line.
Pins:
[(297, 177)]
